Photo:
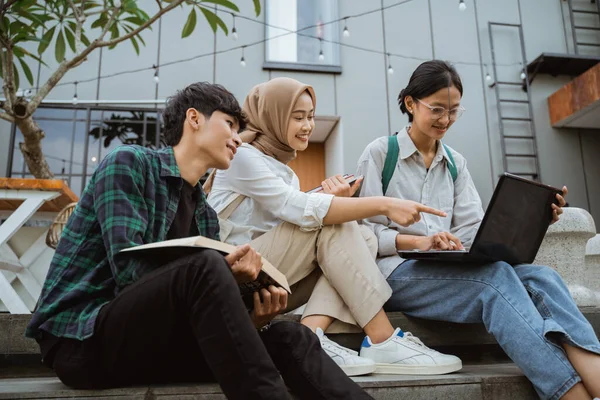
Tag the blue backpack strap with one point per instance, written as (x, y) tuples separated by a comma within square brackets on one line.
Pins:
[(451, 165), (391, 159)]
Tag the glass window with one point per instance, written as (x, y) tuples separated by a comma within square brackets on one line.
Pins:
[(314, 44), (73, 143)]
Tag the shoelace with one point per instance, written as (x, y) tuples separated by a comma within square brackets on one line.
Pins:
[(409, 336), (326, 343)]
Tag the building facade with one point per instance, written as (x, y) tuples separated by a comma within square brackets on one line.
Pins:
[(357, 76)]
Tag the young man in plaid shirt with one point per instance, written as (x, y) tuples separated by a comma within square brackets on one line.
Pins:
[(105, 320)]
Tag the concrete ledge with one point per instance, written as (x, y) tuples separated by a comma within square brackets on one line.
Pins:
[(433, 333), (498, 382), (563, 249), (592, 263)]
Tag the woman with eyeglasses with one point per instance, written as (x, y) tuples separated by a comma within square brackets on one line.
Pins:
[(527, 308)]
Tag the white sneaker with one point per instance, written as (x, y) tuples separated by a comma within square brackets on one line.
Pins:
[(405, 354), (348, 360)]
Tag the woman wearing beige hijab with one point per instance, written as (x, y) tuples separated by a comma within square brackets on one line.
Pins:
[(313, 239)]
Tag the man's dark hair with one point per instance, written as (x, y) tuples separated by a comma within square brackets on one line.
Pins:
[(427, 79), (204, 97)]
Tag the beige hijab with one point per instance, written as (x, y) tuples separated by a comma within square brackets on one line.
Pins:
[(268, 107)]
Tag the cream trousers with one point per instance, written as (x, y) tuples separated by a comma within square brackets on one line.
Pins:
[(332, 270)]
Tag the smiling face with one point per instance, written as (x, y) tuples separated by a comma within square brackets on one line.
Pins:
[(426, 112), (218, 138), (301, 123)]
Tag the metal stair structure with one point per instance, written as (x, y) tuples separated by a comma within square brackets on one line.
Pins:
[(525, 164), (580, 22)]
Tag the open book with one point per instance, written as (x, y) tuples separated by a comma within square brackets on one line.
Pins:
[(170, 249)]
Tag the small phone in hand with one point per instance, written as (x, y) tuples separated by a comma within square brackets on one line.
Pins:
[(350, 179)]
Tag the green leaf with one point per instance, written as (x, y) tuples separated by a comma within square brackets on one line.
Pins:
[(32, 17), (59, 50), (139, 37), (257, 7), (70, 39), (190, 24), (18, 52), (214, 20), (101, 21), (16, 27), (85, 40), (142, 14), (26, 71), (38, 59), (224, 3), (114, 33), (129, 5), (135, 20), (136, 46), (46, 39)]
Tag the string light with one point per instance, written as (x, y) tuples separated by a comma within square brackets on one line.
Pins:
[(156, 78), (75, 98), (179, 61), (523, 75), (346, 32), (234, 34), (243, 60), (321, 55), (390, 69), (461, 5)]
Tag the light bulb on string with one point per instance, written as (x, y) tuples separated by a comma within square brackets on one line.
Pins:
[(346, 32), (523, 75), (156, 78), (321, 55), (390, 69), (243, 60), (461, 5), (234, 34), (75, 98), (488, 78)]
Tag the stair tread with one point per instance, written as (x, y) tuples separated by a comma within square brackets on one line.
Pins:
[(51, 387)]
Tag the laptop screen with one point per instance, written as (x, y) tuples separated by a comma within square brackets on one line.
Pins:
[(516, 220)]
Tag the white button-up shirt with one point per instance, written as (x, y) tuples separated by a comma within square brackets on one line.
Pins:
[(412, 181), (272, 193)]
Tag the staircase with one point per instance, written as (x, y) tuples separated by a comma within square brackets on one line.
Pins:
[(487, 373), (585, 25), (515, 114)]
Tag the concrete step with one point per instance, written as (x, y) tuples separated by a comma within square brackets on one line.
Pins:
[(469, 341), (498, 382)]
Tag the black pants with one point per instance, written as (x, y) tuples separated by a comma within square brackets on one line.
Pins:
[(186, 322)]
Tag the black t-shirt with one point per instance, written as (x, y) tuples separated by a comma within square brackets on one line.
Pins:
[(183, 224)]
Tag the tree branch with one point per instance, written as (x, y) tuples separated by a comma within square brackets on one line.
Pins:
[(7, 117), (6, 6), (97, 43), (80, 18), (8, 85), (107, 26), (159, 5)]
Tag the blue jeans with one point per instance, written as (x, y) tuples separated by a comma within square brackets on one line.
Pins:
[(527, 308)]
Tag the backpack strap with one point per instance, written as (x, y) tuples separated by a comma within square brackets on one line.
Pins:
[(391, 159), (451, 165)]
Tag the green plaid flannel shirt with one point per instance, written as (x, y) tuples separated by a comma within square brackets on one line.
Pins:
[(131, 199)]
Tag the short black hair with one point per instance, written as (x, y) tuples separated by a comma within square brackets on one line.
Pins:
[(204, 97), (428, 78)]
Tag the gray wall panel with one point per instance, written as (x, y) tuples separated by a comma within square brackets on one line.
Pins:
[(173, 48)]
